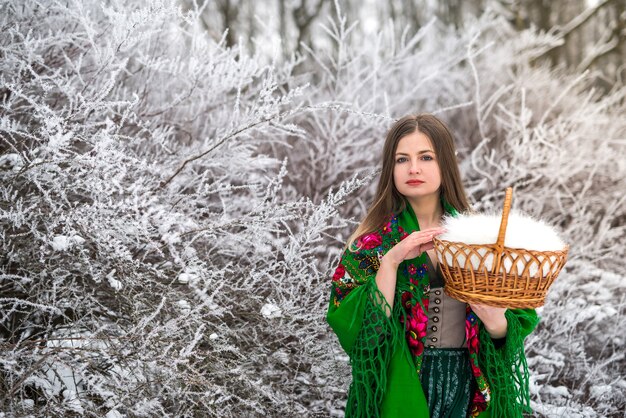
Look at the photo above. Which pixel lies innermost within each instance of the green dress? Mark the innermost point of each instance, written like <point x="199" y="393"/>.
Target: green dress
<point x="386" y="353"/>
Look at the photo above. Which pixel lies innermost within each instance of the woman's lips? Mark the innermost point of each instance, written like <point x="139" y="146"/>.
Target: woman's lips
<point x="414" y="182"/>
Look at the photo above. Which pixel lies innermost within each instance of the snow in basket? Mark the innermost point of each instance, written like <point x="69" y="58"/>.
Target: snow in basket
<point x="522" y="232"/>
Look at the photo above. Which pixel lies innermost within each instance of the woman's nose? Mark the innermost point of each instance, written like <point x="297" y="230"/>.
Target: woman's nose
<point x="414" y="168"/>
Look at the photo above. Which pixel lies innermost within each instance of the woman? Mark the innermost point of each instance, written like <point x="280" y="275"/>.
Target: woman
<point x="414" y="351"/>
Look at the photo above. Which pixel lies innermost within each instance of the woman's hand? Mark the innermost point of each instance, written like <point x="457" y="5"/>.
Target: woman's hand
<point x="412" y="246"/>
<point x="493" y="319"/>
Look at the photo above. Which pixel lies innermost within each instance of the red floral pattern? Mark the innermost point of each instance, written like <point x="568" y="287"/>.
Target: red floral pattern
<point x="416" y="325"/>
<point x="471" y="334"/>
<point x="369" y="241"/>
<point x="482" y="394"/>
<point x="339" y="272"/>
<point x="412" y="269"/>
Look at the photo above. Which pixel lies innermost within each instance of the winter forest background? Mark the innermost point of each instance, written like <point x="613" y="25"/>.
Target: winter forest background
<point x="174" y="195"/>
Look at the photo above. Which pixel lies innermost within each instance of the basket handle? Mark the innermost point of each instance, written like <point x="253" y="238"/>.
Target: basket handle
<point x="503" y="223"/>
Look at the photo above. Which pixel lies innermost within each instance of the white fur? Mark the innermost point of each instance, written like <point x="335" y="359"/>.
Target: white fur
<point x="522" y="232"/>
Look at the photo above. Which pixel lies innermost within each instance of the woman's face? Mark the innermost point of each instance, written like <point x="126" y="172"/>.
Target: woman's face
<point x="416" y="171"/>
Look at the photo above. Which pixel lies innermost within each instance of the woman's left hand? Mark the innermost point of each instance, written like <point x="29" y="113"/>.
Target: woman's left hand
<point x="492" y="318"/>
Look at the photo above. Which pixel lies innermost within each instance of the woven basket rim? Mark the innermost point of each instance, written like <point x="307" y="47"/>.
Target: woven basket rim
<point x="463" y="244"/>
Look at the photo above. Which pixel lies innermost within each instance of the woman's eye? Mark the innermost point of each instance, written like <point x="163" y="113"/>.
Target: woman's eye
<point x="401" y="160"/>
<point x="427" y="158"/>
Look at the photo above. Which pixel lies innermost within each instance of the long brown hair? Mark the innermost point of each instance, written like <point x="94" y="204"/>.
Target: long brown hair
<point x="387" y="199"/>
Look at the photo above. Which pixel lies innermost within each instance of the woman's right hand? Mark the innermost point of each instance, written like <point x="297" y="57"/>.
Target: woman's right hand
<point x="412" y="246"/>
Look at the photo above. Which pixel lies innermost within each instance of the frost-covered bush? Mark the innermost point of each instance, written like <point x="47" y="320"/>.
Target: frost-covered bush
<point x="138" y="218"/>
<point x="171" y="209"/>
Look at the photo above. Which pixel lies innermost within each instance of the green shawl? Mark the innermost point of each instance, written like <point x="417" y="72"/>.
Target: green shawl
<point x="386" y="352"/>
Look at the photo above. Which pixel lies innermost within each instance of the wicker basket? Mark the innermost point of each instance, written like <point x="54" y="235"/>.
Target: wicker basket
<point x="495" y="275"/>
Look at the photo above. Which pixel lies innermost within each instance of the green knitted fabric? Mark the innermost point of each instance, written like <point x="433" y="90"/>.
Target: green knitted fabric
<point x="386" y="352"/>
<point x="505" y="368"/>
<point x="371" y="354"/>
<point x="357" y="315"/>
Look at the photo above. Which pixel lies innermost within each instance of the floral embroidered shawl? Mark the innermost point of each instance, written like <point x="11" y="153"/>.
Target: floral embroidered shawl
<point x="386" y="352"/>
